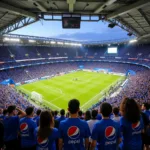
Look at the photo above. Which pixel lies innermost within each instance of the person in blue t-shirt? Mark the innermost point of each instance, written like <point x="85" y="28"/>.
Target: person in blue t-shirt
<point x="74" y="132"/>
<point x="131" y="125"/>
<point x="146" y="135"/>
<point x="27" y="127"/>
<point x="37" y="117"/>
<point x="45" y="135"/>
<point x="11" y="128"/>
<point x="1" y="135"/>
<point x="106" y="133"/>
<point x="62" y="117"/>
<point x="2" y="116"/>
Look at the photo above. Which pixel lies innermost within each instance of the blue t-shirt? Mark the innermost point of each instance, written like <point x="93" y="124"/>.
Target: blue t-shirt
<point x="11" y="128"/>
<point x="106" y="132"/>
<point x="2" y="117"/>
<point x="61" y="118"/>
<point x="37" y="120"/>
<point x="131" y="134"/>
<point x="27" y="127"/>
<point x="73" y="131"/>
<point x="147" y="113"/>
<point x="49" y="143"/>
<point x="99" y="117"/>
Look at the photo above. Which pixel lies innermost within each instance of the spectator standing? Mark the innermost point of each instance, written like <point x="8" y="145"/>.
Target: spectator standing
<point x="87" y="115"/>
<point x="131" y="125"/>
<point x="116" y="116"/>
<point x="1" y="135"/>
<point x="46" y="134"/>
<point x="11" y="128"/>
<point x="106" y="132"/>
<point x="37" y="117"/>
<point x="146" y="135"/>
<point x="62" y="117"/>
<point x="73" y="131"/>
<point x="27" y="127"/>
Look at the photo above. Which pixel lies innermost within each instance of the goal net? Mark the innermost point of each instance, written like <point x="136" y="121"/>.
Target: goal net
<point x="36" y="96"/>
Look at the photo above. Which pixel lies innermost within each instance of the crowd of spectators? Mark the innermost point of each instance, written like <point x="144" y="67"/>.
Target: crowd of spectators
<point x="125" y="127"/>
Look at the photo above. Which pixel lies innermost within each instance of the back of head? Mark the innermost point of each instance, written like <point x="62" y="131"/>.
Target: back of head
<point x="46" y="121"/>
<point x="55" y="112"/>
<point x="38" y="112"/>
<point x="130" y="110"/>
<point x="87" y="115"/>
<point x="62" y="112"/>
<point x="11" y="108"/>
<point x="5" y="112"/>
<point x="105" y="109"/>
<point x="145" y="106"/>
<point x="94" y="114"/>
<point x="80" y="113"/>
<point x="116" y="110"/>
<point x="73" y="106"/>
<point x="29" y="111"/>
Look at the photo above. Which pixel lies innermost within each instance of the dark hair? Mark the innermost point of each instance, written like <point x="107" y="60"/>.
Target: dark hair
<point x="5" y="111"/>
<point x="38" y="112"/>
<point x="146" y="105"/>
<point x="55" y="112"/>
<point x="62" y="112"/>
<point x="105" y="109"/>
<point x="29" y="110"/>
<point x="130" y="110"/>
<point x="116" y="110"/>
<point x="94" y="114"/>
<point x="11" y="108"/>
<point x="87" y="115"/>
<point x="73" y="106"/>
<point x="46" y="121"/>
<point x="80" y="113"/>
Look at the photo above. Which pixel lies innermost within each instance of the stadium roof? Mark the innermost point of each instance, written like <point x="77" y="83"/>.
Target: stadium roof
<point x="131" y="15"/>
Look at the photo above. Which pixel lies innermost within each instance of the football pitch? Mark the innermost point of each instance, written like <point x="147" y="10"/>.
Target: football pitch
<point x="88" y="87"/>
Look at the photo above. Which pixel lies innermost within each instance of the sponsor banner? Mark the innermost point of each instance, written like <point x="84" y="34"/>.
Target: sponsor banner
<point x="17" y="84"/>
<point x="30" y="81"/>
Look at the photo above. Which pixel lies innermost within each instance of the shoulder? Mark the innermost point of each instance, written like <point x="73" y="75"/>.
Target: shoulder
<point x="54" y="130"/>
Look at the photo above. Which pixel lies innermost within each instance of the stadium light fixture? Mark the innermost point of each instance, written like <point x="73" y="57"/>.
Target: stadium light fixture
<point x="67" y="43"/>
<point x="32" y="41"/>
<point x="53" y="42"/>
<point x="133" y="41"/>
<point x="11" y="39"/>
<point x="60" y="43"/>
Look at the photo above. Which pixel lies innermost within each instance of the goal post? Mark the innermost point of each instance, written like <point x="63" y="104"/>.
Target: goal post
<point x="36" y="96"/>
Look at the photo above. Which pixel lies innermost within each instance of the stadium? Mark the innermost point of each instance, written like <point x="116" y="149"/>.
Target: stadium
<point x="47" y="73"/>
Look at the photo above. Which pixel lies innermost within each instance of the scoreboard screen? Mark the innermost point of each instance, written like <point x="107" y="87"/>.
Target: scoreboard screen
<point x="112" y="50"/>
<point x="71" y="22"/>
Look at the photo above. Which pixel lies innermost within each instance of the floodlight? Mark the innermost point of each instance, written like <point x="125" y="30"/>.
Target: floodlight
<point x="32" y="41"/>
<point x="53" y="42"/>
<point x="133" y="41"/>
<point x="60" y="43"/>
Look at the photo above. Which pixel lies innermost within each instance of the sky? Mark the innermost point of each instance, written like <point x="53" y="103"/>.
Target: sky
<point x="89" y="31"/>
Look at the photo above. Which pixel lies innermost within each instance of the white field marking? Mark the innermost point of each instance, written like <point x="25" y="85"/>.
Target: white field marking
<point x="99" y="93"/>
<point x="57" y="98"/>
<point x="56" y="90"/>
<point x="52" y="104"/>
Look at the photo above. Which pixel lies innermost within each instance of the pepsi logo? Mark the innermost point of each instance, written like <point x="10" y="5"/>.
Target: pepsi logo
<point x="42" y="143"/>
<point x="73" y="132"/>
<point x="136" y="126"/>
<point x="24" y="127"/>
<point x="110" y="133"/>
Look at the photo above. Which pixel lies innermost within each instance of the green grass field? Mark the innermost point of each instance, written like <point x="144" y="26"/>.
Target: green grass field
<point x="57" y="91"/>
